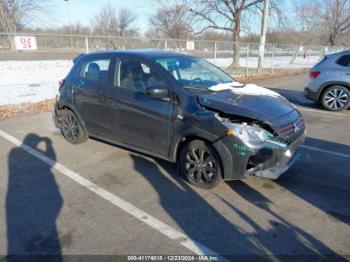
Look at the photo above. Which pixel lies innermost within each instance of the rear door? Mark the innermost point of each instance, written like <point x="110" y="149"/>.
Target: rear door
<point x="88" y="95"/>
<point x="140" y="121"/>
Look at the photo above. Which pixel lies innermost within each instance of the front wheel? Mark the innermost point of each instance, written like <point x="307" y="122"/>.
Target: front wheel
<point x="200" y="165"/>
<point x="336" y="98"/>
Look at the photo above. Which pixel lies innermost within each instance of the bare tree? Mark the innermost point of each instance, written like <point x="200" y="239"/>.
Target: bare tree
<point x="225" y="15"/>
<point x="336" y="16"/>
<point x="153" y="33"/>
<point x="328" y="19"/>
<point x="214" y="35"/>
<point x="105" y="21"/>
<point x="108" y="21"/>
<point x="172" y="21"/>
<point x="126" y="19"/>
<point x="14" y="12"/>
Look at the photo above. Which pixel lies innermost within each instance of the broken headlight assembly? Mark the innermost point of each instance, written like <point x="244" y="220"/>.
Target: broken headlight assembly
<point x="252" y="135"/>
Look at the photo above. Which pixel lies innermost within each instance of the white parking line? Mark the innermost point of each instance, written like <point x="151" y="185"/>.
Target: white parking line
<point x="141" y="215"/>
<point x="325" y="151"/>
<point x="323" y="112"/>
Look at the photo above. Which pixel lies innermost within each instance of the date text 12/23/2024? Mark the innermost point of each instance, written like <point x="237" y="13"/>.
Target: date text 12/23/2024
<point x="173" y="258"/>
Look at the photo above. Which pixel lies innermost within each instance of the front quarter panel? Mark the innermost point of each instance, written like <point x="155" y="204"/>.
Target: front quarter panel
<point x="190" y="120"/>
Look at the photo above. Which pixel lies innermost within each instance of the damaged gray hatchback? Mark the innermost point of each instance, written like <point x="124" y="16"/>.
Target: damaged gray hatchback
<point x="183" y="109"/>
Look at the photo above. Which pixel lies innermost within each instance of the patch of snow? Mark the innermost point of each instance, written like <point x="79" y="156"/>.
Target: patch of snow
<point x="34" y="81"/>
<point x="248" y="89"/>
<point x="31" y="81"/>
<point x="278" y="62"/>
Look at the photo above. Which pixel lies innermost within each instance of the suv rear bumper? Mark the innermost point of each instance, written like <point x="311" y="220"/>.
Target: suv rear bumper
<point x="310" y="94"/>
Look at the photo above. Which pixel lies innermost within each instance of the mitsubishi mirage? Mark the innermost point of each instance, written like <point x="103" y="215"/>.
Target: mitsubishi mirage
<point x="183" y="109"/>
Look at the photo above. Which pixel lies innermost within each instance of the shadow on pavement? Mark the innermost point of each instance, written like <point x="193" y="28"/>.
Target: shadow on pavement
<point x="203" y="223"/>
<point x="322" y="179"/>
<point x="297" y="98"/>
<point x="33" y="203"/>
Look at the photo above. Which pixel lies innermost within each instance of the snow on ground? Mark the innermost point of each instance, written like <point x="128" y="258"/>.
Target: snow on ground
<point x="280" y="62"/>
<point x="34" y="81"/>
<point x="31" y="81"/>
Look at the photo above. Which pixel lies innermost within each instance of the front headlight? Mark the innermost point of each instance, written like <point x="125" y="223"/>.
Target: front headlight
<point x="249" y="134"/>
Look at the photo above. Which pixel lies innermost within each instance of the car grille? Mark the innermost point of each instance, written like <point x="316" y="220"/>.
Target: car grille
<point x="290" y="127"/>
<point x="291" y="131"/>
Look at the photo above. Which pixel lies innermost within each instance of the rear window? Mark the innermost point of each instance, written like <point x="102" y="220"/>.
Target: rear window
<point x="344" y="61"/>
<point x="95" y="70"/>
<point x="321" y="61"/>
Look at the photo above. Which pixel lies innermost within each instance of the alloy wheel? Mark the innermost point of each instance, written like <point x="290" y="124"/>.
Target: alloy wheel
<point x="70" y="127"/>
<point x="336" y="98"/>
<point x="200" y="166"/>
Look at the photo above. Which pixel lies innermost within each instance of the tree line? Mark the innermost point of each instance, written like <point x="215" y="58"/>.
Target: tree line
<point x="325" y="22"/>
<point x="322" y="22"/>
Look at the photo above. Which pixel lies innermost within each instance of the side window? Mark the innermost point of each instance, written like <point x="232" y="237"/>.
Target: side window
<point x="136" y="76"/>
<point x="96" y="70"/>
<point x="344" y="61"/>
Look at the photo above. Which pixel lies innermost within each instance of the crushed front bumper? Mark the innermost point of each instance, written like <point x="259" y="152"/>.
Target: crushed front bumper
<point x="270" y="161"/>
<point x="283" y="159"/>
<point x="276" y="171"/>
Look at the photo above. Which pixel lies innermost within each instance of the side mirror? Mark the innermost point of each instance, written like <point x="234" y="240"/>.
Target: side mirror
<point x="157" y="92"/>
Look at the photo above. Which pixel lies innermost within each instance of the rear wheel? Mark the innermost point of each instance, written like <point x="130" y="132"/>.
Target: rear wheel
<point x="71" y="128"/>
<point x="336" y="98"/>
<point x="200" y="165"/>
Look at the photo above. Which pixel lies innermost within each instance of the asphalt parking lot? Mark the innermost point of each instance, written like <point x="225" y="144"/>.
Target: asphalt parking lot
<point x="97" y="199"/>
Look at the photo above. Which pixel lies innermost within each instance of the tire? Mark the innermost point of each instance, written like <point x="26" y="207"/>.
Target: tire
<point x="71" y="128"/>
<point x="200" y="165"/>
<point x="335" y="98"/>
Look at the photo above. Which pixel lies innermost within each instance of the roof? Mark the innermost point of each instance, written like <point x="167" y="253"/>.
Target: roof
<point x="145" y="53"/>
<point x="344" y="52"/>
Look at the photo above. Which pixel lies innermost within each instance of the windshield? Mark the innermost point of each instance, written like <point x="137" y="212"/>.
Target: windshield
<point x="193" y="72"/>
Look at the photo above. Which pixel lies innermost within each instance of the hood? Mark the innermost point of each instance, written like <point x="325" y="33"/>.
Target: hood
<point x="250" y="101"/>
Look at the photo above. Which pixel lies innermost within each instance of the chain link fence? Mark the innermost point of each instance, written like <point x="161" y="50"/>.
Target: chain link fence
<point x="276" y="56"/>
<point x="28" y="72"/>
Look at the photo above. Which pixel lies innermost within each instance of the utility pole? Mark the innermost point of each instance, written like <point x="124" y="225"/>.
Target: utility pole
<point x="264" y="22"/>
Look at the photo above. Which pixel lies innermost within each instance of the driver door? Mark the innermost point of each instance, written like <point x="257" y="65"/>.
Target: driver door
<point x="142" y="122"/>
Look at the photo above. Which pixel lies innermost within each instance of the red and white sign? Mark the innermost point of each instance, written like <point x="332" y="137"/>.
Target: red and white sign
<point x="25" y="43"/>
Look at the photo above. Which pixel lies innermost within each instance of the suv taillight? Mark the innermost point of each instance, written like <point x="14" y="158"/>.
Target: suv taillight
<point x="60" y="84"/>
<point x="314" y="74"/>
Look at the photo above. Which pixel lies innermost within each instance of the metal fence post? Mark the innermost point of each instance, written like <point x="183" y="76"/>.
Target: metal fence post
<point x="86" y="45"/>
<point x="292" y="62"/>
<point x="246" y="61"/>
<point x="272" y="57"/>
<point x="215" y="52"/>
<point x="165" y="44"/>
